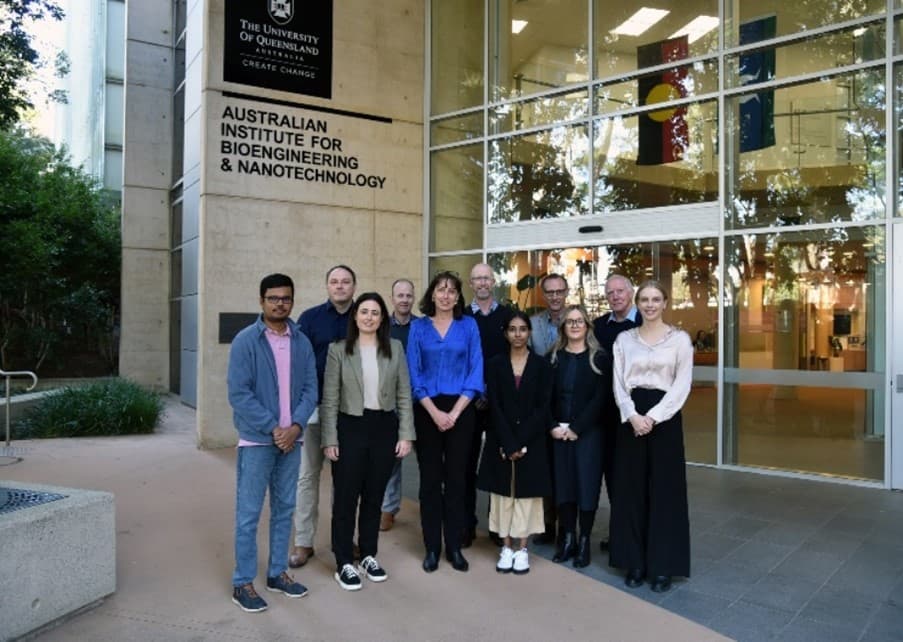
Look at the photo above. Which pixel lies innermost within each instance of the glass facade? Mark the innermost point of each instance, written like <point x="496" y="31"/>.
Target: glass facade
<point x="737" y="151"/>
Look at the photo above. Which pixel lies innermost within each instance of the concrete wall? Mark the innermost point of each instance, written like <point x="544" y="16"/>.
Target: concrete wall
<point x="144" y="347"/>
<point x="251" y="225"/>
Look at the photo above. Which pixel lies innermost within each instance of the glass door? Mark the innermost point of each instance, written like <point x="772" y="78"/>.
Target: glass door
<point x="896" y="413"/>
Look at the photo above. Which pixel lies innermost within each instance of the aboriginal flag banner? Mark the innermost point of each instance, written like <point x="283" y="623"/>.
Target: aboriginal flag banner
<point x="663" y="133"/>
<point x="757" y="110"/>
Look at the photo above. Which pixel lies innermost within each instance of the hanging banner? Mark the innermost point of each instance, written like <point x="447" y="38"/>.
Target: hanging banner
<point x="663" y="133"/>
<point x="279" y="44"/>
<point x="757" y="110"/>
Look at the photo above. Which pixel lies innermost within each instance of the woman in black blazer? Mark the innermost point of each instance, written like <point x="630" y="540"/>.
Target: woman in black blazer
<point x="581" y="377"/>
<point x="514" y="467"/>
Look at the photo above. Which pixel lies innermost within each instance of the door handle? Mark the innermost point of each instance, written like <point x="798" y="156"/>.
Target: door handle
<point x="900" y="383"/>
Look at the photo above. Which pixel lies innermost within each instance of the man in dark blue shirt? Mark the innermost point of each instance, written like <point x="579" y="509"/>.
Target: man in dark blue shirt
<point x="323" y="324"/>
<point x="399" y="328"/>
<point x="491" y="318"/>
<point x="623" y="316"/>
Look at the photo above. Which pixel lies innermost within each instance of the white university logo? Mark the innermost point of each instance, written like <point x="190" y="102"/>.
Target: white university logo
<point x="281" y="11"/>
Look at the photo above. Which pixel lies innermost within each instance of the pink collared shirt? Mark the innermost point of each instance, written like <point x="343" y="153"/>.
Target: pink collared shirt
<point x="281" y="345"/>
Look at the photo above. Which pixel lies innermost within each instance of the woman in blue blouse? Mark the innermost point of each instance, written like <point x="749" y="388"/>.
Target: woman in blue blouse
<point x="446" y="365"/>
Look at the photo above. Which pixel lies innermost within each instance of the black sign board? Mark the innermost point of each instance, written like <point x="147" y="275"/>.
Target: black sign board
<point x="231" y="323"/>
<point x="279" y="44"/>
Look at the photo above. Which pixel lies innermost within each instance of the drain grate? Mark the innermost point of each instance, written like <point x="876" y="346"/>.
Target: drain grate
<point x="12" y="499"/>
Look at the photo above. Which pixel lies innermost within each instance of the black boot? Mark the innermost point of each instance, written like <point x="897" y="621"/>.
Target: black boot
<point x="582" y="557"/>
<point x="566" y="548"/>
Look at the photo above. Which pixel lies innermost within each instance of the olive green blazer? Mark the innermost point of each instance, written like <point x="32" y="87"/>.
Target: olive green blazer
<point x="343" y="390"/>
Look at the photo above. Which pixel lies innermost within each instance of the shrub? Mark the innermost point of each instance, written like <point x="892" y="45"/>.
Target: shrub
<point x="114" y="407"/>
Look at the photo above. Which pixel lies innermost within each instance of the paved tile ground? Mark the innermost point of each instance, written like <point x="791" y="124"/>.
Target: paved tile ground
<point x="775" y="558"/>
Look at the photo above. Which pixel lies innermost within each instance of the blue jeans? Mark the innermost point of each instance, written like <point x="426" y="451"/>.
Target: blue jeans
<point x="259" y="468"/>
<point x="392" y="498"/>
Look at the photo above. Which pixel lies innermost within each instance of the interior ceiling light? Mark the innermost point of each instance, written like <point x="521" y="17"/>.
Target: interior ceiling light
<point x="640" y="21"/>
<point x="696" y="28"/>
<point x="518" y="25"/>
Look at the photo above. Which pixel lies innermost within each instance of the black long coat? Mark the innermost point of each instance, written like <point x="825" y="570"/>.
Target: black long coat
<point x="520" y="417"/>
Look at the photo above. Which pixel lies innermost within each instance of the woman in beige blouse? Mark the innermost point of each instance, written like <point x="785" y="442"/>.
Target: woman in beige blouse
<point x="653" y="370"/>
<point x="367" y="422"/>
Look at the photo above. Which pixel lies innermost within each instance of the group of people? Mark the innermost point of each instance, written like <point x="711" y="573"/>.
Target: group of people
<point x="535" y="410"/>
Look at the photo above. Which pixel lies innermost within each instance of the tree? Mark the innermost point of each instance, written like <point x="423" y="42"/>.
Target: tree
<point x="17" y="56"/>
<point x="59" y="255"/>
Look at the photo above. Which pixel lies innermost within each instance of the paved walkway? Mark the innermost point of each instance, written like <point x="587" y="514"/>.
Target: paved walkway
<point x="174" y="517"/>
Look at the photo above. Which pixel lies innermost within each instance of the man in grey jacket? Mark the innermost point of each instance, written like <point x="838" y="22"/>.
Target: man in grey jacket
<point x="272" y="382"/>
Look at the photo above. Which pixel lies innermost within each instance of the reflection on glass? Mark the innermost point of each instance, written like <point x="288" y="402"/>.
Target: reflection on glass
<point x="827" y="159"/>
<point x="618" y="43"/>
<point x="536" y="45"/>
<point x="540" y="175"/>
<point x="456" y="196"/>
<point x="821" y="430"/>
<point x="457" y="128"/>
<point x="621" y="183"/>
<point x="701" y="77"/>
<point x="700" y="417"/>
<point x="856" y="45"/>
<point x="898" y="113"/>
<point x="797" y="16"/>
<point x="688" y="271"/>
<point x="540" y="111"/>
<point x="805" y="300"/>
<point x="456" y="55"/>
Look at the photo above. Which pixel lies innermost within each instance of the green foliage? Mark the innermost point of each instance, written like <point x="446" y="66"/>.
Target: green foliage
<point x="17" y="56"/>
<point x="59" y="254"/>
<point x="114" y="407"/>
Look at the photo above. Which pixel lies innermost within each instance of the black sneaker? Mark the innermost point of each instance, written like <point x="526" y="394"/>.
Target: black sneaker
<point x="286" y="585"/>
<point x="371" y="569"/>
<point x="247" y="599"/>
<point x="348" y="578"/>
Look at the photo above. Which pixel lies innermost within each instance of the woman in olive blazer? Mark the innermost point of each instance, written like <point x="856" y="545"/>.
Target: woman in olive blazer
<point x="515" y="465"/>
<point x="367" y="422"/>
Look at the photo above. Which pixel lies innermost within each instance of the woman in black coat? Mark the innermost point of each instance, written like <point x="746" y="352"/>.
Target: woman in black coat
<point x="514" y="467"/>
<point x="581" y="378"/>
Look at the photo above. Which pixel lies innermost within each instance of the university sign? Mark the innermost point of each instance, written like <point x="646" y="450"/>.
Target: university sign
<point x="275" y="44"/>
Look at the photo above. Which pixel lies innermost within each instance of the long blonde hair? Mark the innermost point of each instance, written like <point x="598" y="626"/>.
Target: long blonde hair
<point x="591" y="344"/>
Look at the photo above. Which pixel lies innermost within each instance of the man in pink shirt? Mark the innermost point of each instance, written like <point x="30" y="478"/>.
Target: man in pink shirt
<point x="272" y="383"/>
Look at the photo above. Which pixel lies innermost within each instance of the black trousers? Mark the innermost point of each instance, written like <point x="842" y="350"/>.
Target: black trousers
<point x="481" y="425"/>
<point x="443" y="461"/>
<point x="650" y="525"/>
<point x="366" y="459"/>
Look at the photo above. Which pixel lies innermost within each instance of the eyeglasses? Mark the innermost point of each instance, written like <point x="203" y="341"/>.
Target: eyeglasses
<point x="481" y="278"/>
<point x="555" y="292"/>
<point x="279" y="299"/>
<point x="574" y="323"/>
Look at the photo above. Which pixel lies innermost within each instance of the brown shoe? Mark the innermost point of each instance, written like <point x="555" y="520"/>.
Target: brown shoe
<point x="386" y="521"/>
<point x="299" y="556"/>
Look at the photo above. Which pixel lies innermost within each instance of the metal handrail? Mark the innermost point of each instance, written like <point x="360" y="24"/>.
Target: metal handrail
<point x="8" y="376"/>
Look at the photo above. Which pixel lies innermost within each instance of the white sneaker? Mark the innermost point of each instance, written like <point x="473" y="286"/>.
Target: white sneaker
<point x="521" y="563"/>
<point x="506" y="559"/>
<point x="371" y="569"/>
<point x="348" y="578"/>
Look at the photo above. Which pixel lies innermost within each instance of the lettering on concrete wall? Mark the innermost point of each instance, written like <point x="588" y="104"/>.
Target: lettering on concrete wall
<point x="259" y="142"/>
<point x="279" y="44"/>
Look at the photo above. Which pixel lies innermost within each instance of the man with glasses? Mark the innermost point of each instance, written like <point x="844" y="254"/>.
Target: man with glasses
<point x="272" y="387"/>
<point x="623" y="316"/>
<point x="545" y="324"/>
<point x="542" y="339"/>
<point x="399" y="328"/>
<point x="323" y="324"/>
<point x="491" y="318"/>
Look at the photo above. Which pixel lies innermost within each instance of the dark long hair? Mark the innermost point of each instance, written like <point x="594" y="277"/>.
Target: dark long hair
<point x="382" y="332"/>
<point x="523" y="316"/>
<point x="428" y="306"/>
